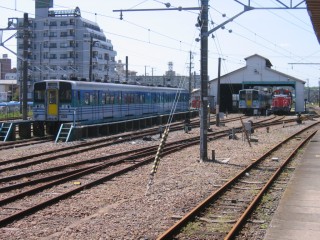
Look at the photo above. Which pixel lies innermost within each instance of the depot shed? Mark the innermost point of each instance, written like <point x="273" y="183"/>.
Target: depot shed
<point x="257" y="72"/>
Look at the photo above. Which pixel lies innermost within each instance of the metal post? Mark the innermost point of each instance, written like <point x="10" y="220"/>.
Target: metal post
<point x="127" y="71"/>
<point x="25" y="67"/>
<point x="40" y="62"/>
<point x="204" y="82"/>
<point x="308" y="91"/>
<point x="152" y="76"/>
<point x="190" y="79"/>
<point x="190" y="89"/>
<point x="90" y="59"/>
<point x="218" y="95"/>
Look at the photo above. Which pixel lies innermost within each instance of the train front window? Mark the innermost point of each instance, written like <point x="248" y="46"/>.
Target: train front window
<point x="39" y="92"/>
<point x="242" y="95"/>
<point x="52" y="97"/>
<point x="65" y="92"/>
<point x="39" y="96"/>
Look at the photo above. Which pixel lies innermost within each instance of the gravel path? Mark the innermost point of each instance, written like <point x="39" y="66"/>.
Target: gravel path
<point x="123" y="209"/>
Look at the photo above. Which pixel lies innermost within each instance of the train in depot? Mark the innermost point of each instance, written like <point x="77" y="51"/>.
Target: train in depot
<point x="60" y="101"/>
<point x="281" y="101"/>
<point x="254" y="101"/>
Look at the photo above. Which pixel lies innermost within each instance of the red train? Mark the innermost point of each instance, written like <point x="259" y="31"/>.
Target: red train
<point x="281" y="101"/>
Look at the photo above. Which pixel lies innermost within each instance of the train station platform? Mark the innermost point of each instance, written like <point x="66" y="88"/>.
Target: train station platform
<point x="298" y="214"/>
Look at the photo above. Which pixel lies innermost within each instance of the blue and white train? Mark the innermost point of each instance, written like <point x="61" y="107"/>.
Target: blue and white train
<point x="91" y="102"/>
<point x="253" y="101"/>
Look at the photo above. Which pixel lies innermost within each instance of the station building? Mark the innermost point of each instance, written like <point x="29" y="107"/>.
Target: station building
<point x="256" y="73"/>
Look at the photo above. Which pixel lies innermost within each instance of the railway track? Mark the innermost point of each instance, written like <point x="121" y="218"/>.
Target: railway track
<point x="41" y="158"/>
<point x="88" y="172"/>
<point x="25" y="142"/>
<point x="223" y="213"/>
<point x="152" y="131"/>
<point x="29" y="160"/>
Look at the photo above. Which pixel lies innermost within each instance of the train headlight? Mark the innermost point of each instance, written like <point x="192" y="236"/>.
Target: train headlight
<point x="41" y="106"/>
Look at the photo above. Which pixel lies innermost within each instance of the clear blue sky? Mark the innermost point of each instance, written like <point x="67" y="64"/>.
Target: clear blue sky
<point x="153" y="39"/>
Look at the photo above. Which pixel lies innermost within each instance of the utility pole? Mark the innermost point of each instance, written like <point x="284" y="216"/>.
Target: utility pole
<point x="127" y="70"/>
<point x="25" y="67"/>
<point x="308" y="91"/>
<point x="190" y="79"/>
<point x="204" y="82"/>
<point x="218" y="95"/>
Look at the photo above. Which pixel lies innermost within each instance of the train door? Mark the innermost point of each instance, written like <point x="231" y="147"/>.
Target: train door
<point x="52" y="104"/>
<point x="95" y="105"/>
<point x="249" y="99"/>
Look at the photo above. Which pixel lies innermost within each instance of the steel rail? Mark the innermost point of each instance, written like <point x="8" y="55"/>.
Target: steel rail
<point x="53" y="200"/>
<point x="169" y="234"/>
<point x="33" y="209"/>
<point x="237" y="226"/>
<point x="211" y="136"/>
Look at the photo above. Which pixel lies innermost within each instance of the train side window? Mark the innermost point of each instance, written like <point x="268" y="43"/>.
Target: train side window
<point x="93" y="98"/>
<point x="136" y="98"/>
<point x="111" y="101"/>
<point x="125" y="98"/>
<point x="118" y="98"/>
<point x="115" y="98"/>
<point x="87" y="98"/>
<point x="79" y="97"/>
<point x="65" y="95"/>
<point x="242" y="95"/>
<point x="132" y="98"/>
<point x="103" y="98"/>
<point x="161" y="98"/>
<point x="108" y="98"/>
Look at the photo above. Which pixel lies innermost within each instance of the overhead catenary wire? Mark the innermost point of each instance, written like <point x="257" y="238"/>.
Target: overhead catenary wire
<point x="291" y="56"/>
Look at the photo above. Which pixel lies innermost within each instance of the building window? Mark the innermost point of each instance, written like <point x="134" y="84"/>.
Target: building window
<point x="52" y="34"/>
<point x="53" y="45"/>
<point x="63" y="45"/>
<point x="63" y="34"/>
<point x="54" y="23"/>
<point x="72" y="43"/>
<point x="63" y="56"/>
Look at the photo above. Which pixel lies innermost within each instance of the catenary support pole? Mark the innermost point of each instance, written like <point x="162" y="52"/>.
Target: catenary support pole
<point x="204" y="82"/>
<point x="25" y="68"/>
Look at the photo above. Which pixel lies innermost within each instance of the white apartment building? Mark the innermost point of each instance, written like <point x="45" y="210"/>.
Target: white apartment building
<point x="63" y="45"/>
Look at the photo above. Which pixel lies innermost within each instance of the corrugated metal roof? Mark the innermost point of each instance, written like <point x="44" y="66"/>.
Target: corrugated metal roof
<point x="313" y="7"/>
